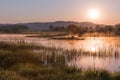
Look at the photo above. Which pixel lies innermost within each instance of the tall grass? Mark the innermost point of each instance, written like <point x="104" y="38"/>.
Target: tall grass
<point x="20" y="61"/>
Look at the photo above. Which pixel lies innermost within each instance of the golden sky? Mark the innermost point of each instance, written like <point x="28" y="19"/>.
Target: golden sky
<point x="22" y="11"/>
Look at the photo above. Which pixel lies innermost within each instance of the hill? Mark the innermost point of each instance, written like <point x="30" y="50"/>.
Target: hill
<point x="45" y="25"/>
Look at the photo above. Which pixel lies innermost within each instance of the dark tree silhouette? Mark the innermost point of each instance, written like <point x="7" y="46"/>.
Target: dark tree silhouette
<point x="117" y="29"/>
<point x="51" y="27"/>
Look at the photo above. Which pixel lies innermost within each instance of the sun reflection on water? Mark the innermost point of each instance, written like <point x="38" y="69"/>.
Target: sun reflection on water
<point x="93" y="44"/>
<point x="104" y="50"/>
<point x="93" y="49"/>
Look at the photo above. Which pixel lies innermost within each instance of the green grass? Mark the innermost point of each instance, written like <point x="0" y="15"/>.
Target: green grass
<point x="18" y="61"/>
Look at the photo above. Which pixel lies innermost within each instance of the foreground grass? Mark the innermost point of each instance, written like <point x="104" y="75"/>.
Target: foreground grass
<point x="20" y="62"/>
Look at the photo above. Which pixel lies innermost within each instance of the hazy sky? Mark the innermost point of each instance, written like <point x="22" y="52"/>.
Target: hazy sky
<point x="17" y="11"/>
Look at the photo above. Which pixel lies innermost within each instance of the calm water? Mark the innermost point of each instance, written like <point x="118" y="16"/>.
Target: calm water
<point x="106" y="45"/>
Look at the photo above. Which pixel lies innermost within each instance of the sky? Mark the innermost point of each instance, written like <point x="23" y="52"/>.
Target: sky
<point x="22" y="11"/>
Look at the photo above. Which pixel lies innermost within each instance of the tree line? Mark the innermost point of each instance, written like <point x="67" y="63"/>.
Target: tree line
<point x="13" y="28"/>
<point x="74" y="29"/>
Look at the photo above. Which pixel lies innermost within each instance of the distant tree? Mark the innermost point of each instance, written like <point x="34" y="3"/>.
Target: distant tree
<point x="99" y="29"/>
<point x="56" y="28"/>
<point x="85" y="29"/>
<point x="117" y="29"/>
<point x="18" y="28"/>
<point x="13" y="28"/>
<point x="62" y="28"/>
<point x="73" y="30"/>
<point x="51" y="27"/>
<point x="82" y="30"/>
<point x="108" y="29"/>
<point x="90" y="29"/>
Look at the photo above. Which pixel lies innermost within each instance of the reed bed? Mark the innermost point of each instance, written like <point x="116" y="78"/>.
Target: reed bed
<point x="22" y="61"/>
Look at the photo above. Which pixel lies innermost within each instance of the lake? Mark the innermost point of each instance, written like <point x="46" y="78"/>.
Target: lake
<point x="108" y="47"/>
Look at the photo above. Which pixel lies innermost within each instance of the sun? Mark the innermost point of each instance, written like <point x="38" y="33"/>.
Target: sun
<point x="93" y="13"/>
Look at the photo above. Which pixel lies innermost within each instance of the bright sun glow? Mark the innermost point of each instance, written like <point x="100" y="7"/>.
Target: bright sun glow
<point x="93" y="13"/>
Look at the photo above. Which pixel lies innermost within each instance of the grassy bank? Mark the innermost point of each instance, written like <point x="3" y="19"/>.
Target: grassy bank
<point x="20" y="61"/>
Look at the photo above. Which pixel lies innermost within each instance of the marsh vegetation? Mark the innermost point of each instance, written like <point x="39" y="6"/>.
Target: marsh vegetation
<point x="26" y="58"/>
